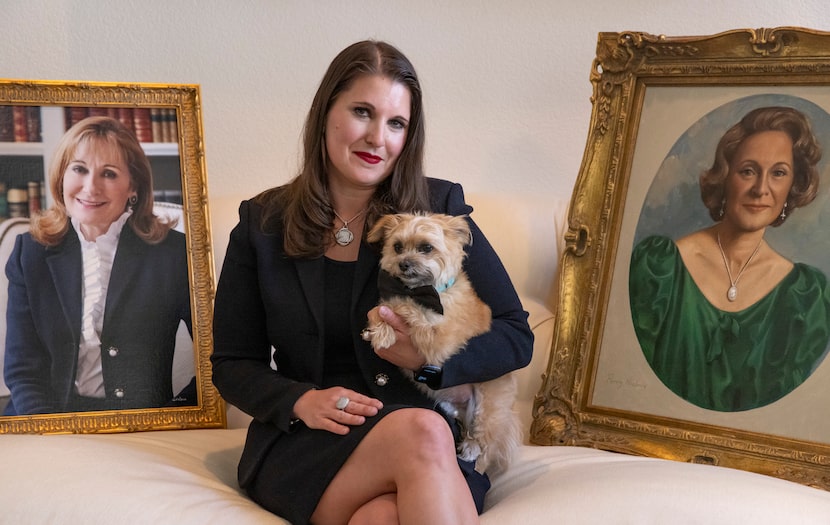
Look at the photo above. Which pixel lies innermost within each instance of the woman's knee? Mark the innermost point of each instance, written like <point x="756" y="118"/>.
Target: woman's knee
<point x="421" y="431"/>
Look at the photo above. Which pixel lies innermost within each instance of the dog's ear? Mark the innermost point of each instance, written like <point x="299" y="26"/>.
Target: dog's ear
<point x="381" y="227"/>
<point x="457" y="227"/>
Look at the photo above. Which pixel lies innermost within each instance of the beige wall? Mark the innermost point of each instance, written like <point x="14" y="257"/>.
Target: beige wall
<point x="506" y="82"/>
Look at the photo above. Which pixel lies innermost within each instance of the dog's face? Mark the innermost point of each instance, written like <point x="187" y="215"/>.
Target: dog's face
<point x="422" y="250"/>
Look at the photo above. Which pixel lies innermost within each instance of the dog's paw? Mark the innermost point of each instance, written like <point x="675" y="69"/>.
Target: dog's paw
<point x="381" y="336"/>
<point x="367" y="333"/>
<point x="469" y="450"/>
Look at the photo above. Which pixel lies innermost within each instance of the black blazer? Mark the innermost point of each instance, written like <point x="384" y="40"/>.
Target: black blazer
<point x="148" y="295"/>
<point x="265" y="299"/>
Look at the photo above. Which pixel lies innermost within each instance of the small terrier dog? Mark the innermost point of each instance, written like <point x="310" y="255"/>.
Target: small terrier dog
<point x="422" y="281"/>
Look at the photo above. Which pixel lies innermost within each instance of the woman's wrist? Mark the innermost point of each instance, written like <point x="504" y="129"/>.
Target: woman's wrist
<point x="430" y="375"/>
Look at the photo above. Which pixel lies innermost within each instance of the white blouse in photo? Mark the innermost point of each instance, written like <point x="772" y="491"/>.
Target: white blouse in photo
<point x="98" y="256"/>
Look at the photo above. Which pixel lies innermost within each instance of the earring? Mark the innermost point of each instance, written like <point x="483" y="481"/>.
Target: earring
<point x="722" y="209"/>
<point x="783" y="212"/>
<point x="132" y="200"/>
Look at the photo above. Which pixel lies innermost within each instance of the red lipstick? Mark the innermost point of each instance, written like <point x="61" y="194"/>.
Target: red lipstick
<point x="368" y="157"/>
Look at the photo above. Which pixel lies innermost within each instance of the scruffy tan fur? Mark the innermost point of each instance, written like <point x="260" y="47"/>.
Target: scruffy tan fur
<point x="428" y="249"/>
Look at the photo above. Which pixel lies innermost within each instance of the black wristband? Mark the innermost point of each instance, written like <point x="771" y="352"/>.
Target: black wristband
<point x="430" y="375"/>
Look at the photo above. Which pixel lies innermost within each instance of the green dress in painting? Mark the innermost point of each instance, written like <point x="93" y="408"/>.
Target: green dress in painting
<point x="726" y="361"/>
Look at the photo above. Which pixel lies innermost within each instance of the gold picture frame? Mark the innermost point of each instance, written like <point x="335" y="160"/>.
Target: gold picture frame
<point x="660" y="105"/>
<point x="175" y="140"/>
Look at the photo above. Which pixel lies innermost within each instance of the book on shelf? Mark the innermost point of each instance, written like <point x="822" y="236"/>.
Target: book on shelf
<point x="6" y="124"/>
<point x="35" y="191"/>
<point x="21" y="202"/>
<point x="171" y="126"/>
<point x="148" y="124"/>
<point x="19" y="120"/>
<point x="142" y="124"/>
<point x="33" y="124"/>
<point x="98" y="111"/>
<point x="18" y="202"/>
<point x="4" y="204"/>
<point x="20" y="124"/>
<point x="73" y="114"/>
<point x="125" y="115"/>
<point x="156" y="123"/>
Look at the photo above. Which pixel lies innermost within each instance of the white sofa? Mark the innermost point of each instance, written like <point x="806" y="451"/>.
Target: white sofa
<point x="189" y="476"/>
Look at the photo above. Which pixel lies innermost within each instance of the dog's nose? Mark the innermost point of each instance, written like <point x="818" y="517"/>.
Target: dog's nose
<point x="404" y="266"/>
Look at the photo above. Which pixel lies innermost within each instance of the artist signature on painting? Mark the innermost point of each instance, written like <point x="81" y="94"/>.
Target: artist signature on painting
<point x="627" y="382"/>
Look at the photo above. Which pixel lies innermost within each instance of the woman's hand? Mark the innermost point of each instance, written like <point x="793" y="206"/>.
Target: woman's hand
<point x="318" y="409"/>
<point x="402" y="353"/>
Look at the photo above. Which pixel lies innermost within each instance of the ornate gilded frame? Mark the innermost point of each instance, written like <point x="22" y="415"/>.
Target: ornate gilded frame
<point x="642" y="85"/>
<point x="185" y="101"/>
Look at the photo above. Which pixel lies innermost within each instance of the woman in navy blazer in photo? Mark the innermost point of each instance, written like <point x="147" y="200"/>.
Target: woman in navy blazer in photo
<point x="99" y="285"/>
<point x="339" y="433"/>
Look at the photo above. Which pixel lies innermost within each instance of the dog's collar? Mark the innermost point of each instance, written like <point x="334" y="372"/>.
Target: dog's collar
<point x="426" y="296"/>
<point x="440" y="289"/>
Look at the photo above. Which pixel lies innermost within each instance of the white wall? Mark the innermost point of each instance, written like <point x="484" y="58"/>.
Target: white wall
<point x="506" y="82"/>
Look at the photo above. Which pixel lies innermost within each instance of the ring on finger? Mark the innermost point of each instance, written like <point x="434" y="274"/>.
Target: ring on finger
<point x="342" y="403"/>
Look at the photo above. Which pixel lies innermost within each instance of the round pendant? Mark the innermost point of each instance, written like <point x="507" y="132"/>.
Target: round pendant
<point x="732" y="294"/>
<point x="344" y="236"/>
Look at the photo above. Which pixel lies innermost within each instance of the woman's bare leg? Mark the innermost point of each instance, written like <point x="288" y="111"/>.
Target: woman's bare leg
<point x="382" y="510"/>
<point x="408" y="457"/>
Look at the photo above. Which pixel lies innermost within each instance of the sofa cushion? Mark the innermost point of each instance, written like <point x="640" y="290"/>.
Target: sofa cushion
<point x="176" y="477"/>
<point x="187" y="477"/>
<point x="578" y="485"/>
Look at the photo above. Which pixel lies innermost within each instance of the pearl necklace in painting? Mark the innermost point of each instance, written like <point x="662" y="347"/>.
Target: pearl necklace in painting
<point x="732" y="293"/>
<point x="344" y="235"/>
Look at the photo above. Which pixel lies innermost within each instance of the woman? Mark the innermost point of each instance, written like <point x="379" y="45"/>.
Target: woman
<point x="99" y="285"/>
<point x="339" y="434"/>
<point x="725" y="321"/>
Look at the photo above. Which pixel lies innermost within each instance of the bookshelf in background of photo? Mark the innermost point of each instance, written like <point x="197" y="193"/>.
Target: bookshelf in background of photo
<point x="30" y="134"/>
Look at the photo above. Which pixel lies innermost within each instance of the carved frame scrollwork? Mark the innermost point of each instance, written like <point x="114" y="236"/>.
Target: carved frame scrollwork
<point x="626" y="67"/>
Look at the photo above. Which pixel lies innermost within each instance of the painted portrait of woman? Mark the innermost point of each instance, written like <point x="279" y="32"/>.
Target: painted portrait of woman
<point x="729" y="297"/>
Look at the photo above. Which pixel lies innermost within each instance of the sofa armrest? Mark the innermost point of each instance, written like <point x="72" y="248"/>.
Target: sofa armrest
<point x="529" y="378"/>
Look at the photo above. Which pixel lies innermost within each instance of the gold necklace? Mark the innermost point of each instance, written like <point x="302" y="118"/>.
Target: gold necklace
<point x="732" y="293"/>
<point x="344" y="235"/>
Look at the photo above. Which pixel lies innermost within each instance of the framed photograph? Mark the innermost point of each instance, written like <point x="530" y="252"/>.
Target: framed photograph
<point x="693" y="319"/>
<point x="105" y="240"/>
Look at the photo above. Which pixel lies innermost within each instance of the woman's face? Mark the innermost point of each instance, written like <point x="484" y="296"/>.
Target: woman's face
<point x="96" y="186"/>
<point x="366" y="131"/>
<point x="760" y="177"/>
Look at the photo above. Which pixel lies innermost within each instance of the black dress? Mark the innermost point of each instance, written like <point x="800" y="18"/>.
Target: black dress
<point x="301" y="464"/>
